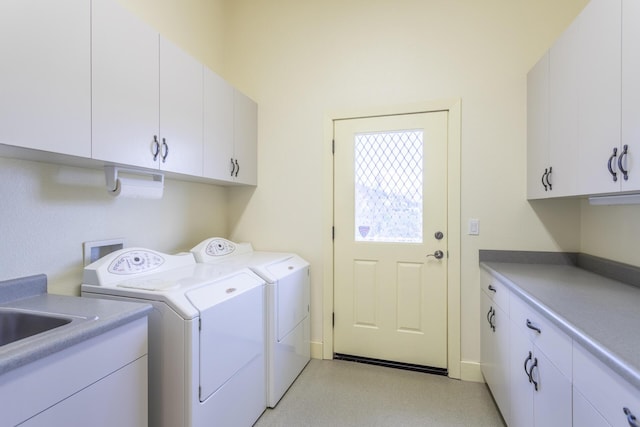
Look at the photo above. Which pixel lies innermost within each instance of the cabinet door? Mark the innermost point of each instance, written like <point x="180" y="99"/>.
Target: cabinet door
<point x="584" y="414"/>
<point x="631" y="93"/>
<point x="552" y="399"/>
<point x="606" y="391"/>
<point x="45" y="89"/>
<point x="245" y="127"/>
<point x="218" y="127"/>
<point x="520" y="388"/>
<point x="125" y="81"/>
<point x="538" y="130"/>
<point x="563" y="112"/>
<point x="120" y="399"/>
<point x="599" y="80"/>
<point x="180" y="110"/>
<point x="494" y="348"/>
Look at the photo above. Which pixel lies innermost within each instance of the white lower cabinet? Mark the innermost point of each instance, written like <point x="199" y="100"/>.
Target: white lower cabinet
<point x="540" y="393"/>
<point x="495" y="351"/>
<point x="584" y="414"/>
<point x="609" y="395"/>
<point x="100" y="382"/>
<point x="539" y="376"/>
<point x="90" y="408"/>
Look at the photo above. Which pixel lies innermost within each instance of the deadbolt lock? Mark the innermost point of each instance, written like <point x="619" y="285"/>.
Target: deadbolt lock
<point x="439" y="235"/>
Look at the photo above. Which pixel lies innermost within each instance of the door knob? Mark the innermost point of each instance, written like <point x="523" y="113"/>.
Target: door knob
<point x="437" y="255"/>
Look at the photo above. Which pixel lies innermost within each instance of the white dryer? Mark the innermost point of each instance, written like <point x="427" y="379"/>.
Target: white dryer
<point x="287" y="306"/>
<point x="206" y="334"/>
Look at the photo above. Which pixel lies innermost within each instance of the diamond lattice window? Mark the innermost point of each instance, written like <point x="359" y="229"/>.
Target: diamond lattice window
<point x="388" y="186"/>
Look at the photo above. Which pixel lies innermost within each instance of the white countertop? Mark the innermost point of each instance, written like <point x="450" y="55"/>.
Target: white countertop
<point x="601" y="314"/>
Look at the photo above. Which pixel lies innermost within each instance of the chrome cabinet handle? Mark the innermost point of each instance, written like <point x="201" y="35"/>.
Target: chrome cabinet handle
<point x="165" y="146"/>
<point x="233" y="167"/>
<point x="631" y="419"/>
<point x="623" y="156"/>
<point x="612" y="159"/>
<point x="156" y="147"/>
<point x="530" y="325"/>
<point x="492" y="289"/>
<point x="237" y="168"/>
<point x="544" y="175"/>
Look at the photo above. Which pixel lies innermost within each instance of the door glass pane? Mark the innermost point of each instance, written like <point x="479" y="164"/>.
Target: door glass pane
<point x="388" y="186"/>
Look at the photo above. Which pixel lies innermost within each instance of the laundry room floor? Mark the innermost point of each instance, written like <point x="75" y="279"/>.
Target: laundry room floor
<point x="349" y="394"/>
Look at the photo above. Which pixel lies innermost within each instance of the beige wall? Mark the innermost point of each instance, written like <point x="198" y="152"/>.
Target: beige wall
<point x="303" y="61"/>
<point x="611" y="232"/>
<point x="197" y="26"/>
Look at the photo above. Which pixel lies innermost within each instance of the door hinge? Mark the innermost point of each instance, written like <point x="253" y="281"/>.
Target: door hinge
<point x="333" y="320"/>
<point x="333" y="146"/>
<point x="333" y="233"/>
<point x="200" y="324"/>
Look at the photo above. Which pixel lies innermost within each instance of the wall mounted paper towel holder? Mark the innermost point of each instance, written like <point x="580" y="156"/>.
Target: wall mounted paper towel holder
<point x="147" y="184"/>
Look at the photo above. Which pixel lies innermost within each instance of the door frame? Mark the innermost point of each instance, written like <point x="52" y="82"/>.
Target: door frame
<point x="453" y="107"/>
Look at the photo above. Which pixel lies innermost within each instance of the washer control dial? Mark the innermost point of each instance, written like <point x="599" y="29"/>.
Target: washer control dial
<point x="134" y="262"/>
<point x="219" y="247"/>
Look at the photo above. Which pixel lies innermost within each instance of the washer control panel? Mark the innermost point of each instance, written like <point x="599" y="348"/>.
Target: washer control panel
<point x="135" y="261"/>
<point x="220" y="247"/>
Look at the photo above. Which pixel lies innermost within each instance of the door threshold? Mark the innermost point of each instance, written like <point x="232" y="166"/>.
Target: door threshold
<point x="391" y="364"/>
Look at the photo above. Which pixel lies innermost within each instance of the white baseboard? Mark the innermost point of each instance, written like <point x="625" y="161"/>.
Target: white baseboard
<point x="470" y="371"/>
<point x="316" y="350"/>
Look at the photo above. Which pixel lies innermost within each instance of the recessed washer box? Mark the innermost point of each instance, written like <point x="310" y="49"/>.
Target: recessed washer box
<point x="96" y="249"/>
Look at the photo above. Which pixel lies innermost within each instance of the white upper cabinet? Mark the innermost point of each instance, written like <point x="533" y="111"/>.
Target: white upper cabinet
<point x="538" y="163"/>
<point x="45" y="86"/>
<point x="563" y="112"/>
<point x="89" y="79"/>
<point x="125" y="94"/>
<point x="599" y="79"/>
<point x="218" y="127"/>
<point x="147" y="95"/>
<point x="245" y="139"/>
<point x="630" y="94"/>
<point x="593" y="103"/>
<point x="230" y="132"/>
<point x="180" y="111"/>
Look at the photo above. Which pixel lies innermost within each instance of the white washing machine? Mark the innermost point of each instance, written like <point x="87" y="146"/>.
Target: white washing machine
<point x="206" y="334"/>
<point x="287" y="306"/>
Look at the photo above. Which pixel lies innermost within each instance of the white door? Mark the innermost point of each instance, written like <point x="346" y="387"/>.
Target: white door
<point x="390" y="247"/>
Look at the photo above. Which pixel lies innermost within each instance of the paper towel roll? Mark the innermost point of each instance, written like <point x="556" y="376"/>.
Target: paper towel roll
<point x="138" y="188"/>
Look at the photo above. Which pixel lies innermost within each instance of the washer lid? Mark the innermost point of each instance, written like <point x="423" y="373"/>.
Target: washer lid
<point x="223" y="289"/>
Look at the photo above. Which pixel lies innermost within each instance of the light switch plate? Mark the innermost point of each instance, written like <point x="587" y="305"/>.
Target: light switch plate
<point x="474" y="227"/>
<point x="96" y="249"/>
